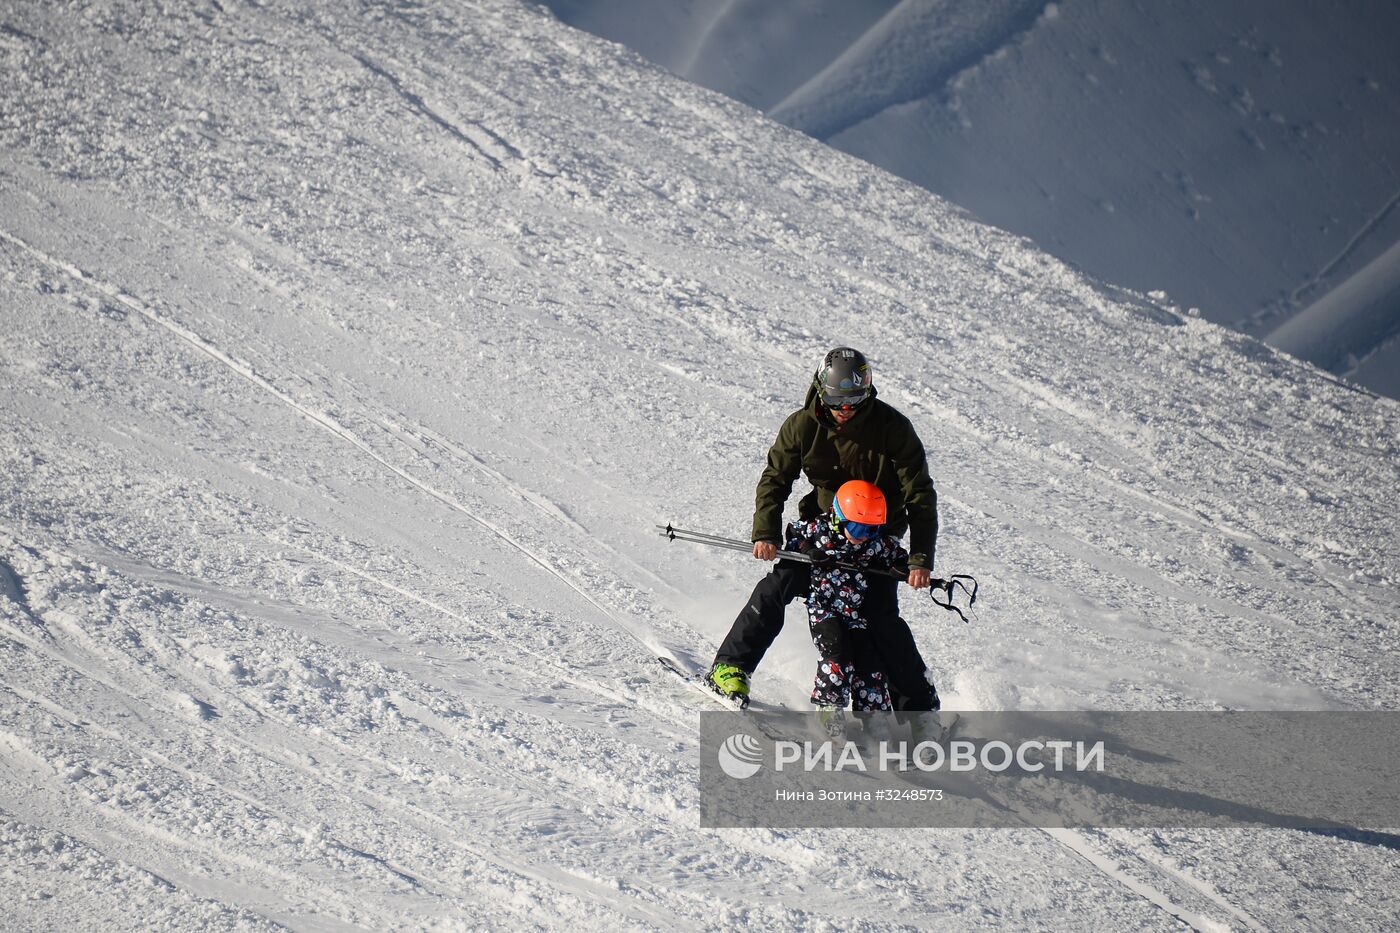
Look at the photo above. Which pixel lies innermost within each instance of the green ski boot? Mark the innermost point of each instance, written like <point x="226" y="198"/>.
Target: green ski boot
<point x="729" y="680"/>
<point x="833" y="720"/>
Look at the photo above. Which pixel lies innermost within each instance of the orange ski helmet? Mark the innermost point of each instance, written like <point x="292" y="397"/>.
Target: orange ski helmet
<point x="860" y="502"/>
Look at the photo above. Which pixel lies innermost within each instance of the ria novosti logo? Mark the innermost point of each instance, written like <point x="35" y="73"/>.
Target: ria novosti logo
<point x="740" y="756"/>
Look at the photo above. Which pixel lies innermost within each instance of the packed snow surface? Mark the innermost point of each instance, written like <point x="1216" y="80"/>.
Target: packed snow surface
<point x="349" y="353"/>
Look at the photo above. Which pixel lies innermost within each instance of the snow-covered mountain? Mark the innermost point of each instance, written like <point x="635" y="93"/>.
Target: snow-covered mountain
<point x="1242" y="157"/>
<point x="349" y="353"/>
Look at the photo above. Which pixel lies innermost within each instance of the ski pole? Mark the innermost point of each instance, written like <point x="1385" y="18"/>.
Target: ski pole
<point x="734" y="544"/>
<point x="937" y="584"/>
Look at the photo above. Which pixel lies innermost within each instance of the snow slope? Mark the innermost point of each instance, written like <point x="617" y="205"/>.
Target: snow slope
<point x="1242" y="157"/>
<point x="1364" y="311"/>
<point x="349" y="353"/>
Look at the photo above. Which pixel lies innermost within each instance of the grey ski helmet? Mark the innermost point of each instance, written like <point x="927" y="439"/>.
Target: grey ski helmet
<point x="845" y="379"/>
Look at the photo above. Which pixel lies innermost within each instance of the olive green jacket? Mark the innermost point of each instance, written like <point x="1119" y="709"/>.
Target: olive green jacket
<point x="878" y="445"/>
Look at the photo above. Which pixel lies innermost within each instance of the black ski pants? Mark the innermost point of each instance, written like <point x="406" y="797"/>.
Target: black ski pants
<point x="762" y="619"/>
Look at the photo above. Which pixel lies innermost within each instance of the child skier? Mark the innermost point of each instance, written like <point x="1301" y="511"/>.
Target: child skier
<point x="848" y="670"/>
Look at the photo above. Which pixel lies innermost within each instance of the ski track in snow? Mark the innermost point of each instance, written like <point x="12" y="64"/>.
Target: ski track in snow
<point x="337" y="420"/>
<point x="323" y="420"/>
<point x="1075" y="842"/>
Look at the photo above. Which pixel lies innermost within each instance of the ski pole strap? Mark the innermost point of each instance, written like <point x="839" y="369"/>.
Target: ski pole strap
<point x="957" y="581"/>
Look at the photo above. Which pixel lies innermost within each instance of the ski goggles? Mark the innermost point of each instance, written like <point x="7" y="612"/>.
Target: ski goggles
<point x="844" y="402"/>
<point x="858" y="530"/>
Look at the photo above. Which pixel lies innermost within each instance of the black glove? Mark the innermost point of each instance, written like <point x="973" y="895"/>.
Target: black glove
<point x="819" y="560"/>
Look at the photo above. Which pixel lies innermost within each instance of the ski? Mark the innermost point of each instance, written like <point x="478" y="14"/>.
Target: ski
<point x="697" y="682"/>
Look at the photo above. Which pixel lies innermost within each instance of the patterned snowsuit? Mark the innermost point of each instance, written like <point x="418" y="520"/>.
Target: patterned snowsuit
<point x="848" y="671"/>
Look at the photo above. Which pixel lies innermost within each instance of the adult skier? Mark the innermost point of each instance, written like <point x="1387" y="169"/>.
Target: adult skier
<point x="842" y="432"/>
